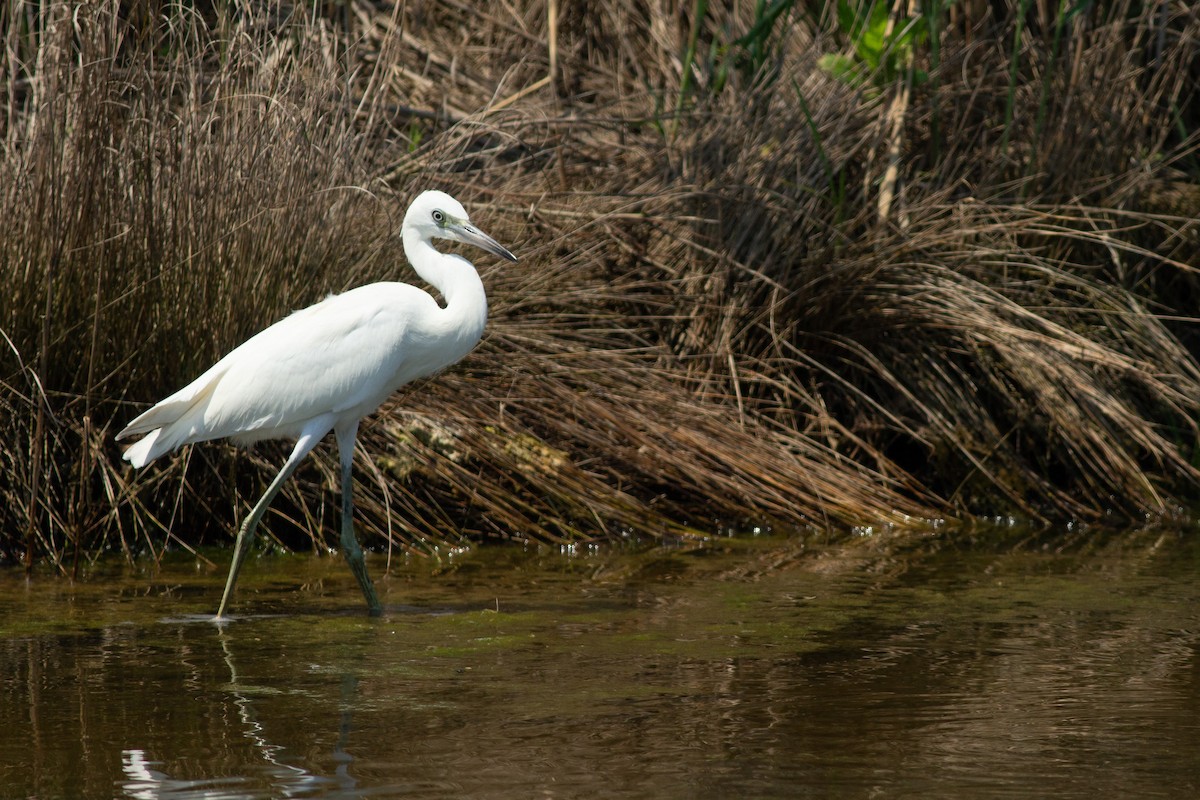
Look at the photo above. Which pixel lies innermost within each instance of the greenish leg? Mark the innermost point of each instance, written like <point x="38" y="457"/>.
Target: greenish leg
<point x="246" y="533"/>
<point x="350" y="547"/>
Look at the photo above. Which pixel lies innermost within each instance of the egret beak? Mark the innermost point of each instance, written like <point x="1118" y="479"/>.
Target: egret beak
<point x="466" y="232"/>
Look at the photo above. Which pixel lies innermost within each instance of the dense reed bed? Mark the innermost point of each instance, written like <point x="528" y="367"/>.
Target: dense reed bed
<point x="779" y="265"/>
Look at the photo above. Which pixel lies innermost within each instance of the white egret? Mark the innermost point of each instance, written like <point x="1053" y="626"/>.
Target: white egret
<point x="327" y="366"/>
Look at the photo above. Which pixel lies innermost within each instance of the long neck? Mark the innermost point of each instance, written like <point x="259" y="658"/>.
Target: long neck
<point x="456" y="281"/>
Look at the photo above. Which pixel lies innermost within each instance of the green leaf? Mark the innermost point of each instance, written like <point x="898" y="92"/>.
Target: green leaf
<point x="911" y="32"/>
<point x="847" y="18"/>
<point x="842" y="67"/>
<point x="871" y="41"/>
<point x="762" y="28"/>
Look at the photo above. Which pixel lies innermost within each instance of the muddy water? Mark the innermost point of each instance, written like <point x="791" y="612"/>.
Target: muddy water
<point x="753" y="669"/>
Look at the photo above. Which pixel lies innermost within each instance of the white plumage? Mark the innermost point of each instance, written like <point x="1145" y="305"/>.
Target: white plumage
<point x="325" y="367"/>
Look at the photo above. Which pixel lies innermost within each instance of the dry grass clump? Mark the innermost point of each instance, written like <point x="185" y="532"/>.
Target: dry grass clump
<point x="750" y="290"/>
<point x="165" y="192"/>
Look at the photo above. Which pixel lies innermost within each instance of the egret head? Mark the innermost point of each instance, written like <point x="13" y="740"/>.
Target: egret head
<point x="437" y="215"/>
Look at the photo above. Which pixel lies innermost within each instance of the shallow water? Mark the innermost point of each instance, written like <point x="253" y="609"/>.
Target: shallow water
<point x="747" y="669"/>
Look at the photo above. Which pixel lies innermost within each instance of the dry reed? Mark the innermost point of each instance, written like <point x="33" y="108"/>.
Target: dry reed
<point x="712" y="325"/>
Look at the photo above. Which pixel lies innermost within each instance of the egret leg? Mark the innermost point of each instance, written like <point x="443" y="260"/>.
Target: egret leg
<point x="307" y="442"/>
<point x="350" y="548"/>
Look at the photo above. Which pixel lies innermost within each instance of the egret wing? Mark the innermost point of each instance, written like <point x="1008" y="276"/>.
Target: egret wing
<point x="342" y="353"/>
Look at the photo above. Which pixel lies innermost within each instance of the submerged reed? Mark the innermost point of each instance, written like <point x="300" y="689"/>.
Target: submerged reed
<point x="716" y="321"/>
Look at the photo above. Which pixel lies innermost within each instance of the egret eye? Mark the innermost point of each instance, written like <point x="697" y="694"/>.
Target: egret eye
<point x="439" y="217"/>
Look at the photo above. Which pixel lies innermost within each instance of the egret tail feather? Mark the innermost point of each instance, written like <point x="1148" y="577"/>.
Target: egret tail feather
<point x="142" y="452"/>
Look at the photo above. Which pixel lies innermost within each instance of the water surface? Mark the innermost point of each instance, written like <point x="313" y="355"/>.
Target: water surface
<point x="765" y="668"/>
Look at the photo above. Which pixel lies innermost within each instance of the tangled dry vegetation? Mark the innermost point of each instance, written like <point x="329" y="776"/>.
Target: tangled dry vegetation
<point x="752" y="290"/>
